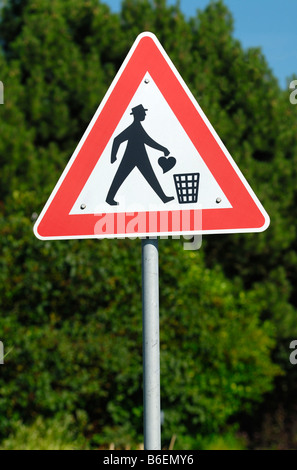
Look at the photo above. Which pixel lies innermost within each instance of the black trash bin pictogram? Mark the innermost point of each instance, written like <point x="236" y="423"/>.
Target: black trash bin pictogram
<point x="187" y="185"/>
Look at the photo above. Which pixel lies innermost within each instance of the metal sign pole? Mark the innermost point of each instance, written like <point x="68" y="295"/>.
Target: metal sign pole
<point x="151" y="344"/>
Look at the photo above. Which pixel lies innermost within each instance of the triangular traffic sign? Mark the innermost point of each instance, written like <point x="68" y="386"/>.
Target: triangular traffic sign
<point x="122" y="180"/>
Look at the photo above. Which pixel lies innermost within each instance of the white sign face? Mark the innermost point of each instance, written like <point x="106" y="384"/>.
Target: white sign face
<point x="135" y="193"/>
<point x="149" y="164"/>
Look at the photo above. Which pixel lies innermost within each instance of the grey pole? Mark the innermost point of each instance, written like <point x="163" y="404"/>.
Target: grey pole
<point x="151" y="344"/>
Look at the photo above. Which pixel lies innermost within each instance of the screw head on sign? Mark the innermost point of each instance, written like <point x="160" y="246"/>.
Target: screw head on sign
<point x="146" y="80"/>
<point x="218" y="200"/>
<point x="83" y="206"/>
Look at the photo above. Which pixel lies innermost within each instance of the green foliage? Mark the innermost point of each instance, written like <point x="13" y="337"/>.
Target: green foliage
<point x="84" y="351"/>
<point x="49" y="434"/>
<point x="227" y="441"/>
<point x="71" y="310"/>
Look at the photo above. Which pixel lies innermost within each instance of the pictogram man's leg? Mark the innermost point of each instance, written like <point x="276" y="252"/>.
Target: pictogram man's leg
<point x="146" y="169"/>
<point x="123" y="171"/>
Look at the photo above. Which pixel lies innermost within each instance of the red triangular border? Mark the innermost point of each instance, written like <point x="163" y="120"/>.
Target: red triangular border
<point x="147" y="55"/>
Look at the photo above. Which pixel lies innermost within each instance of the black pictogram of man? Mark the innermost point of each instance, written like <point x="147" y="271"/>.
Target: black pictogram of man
<point x="135" y="156"/>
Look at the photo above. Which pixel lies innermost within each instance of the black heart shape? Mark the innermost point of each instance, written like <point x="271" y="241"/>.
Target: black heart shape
<point x="166" y="163"/>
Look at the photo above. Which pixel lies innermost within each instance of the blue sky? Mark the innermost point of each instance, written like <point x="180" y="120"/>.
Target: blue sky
<point x="269" y="24"/>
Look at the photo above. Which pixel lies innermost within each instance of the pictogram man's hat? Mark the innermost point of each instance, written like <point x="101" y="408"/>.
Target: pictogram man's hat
<point x="138" y="108"/>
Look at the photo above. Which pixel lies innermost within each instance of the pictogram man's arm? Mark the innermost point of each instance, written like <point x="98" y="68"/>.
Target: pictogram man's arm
<point x="118" y="140"/>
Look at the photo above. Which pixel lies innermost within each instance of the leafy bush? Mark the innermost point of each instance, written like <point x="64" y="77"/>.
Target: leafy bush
<point x="45" y="434"/>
